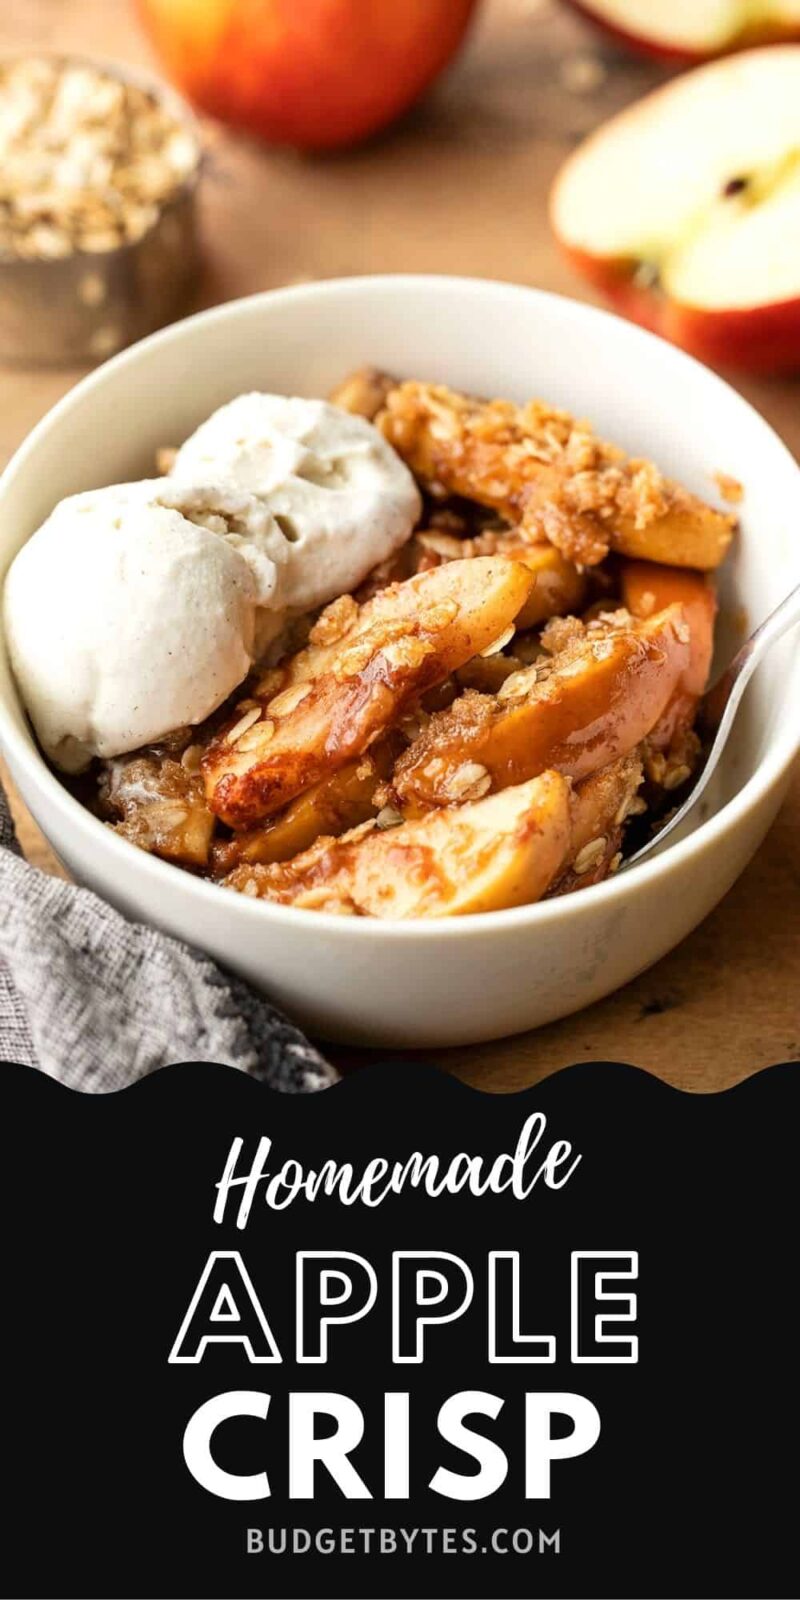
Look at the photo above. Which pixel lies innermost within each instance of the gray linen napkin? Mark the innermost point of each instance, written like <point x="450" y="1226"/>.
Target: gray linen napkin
<point x="97" y="1001"/>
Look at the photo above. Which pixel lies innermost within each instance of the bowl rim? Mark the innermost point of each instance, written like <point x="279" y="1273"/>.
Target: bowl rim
<point x="171" y="879"/>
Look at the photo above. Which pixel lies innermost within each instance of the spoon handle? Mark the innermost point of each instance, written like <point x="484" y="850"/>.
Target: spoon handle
<point x="744" y="663"/>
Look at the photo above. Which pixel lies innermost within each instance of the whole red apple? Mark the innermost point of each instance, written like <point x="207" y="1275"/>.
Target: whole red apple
<point x="693" y="30"/>
<point x="685" y="210"/>
<point x="309" y="73"/>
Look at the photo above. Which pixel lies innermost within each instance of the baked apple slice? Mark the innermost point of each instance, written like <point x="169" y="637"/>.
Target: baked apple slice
<point x="363" y="393"/>
<point x="593" y="702"/>
<point x="553" y="477"/>
<point x="390" y="610"/>
<point x="501" y="852"/>
<point x="648" y="588"/>
<point x="559" y="586"/>
<point x="345" y="694"/>
<point x="342" y="801"/>
<point x="599" y="810"/>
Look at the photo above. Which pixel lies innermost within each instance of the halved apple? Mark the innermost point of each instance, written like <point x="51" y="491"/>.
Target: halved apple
<point x="685" y="210"/>
<point x="693" y="30"/>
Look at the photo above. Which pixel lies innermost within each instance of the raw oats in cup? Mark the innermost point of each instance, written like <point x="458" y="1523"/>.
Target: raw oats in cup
<point x="98" y="179"/>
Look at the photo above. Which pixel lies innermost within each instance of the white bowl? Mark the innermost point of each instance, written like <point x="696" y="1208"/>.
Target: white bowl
<point x="474" y="978"/>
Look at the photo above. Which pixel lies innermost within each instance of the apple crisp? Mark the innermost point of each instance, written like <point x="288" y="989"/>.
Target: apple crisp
<point x="494" y="715"/>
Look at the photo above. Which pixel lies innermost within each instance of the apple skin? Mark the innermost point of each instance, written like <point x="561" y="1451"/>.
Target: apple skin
<point x="672" y="55"/>
<point x="312" y="74"/>
<point x="758" y="339"/>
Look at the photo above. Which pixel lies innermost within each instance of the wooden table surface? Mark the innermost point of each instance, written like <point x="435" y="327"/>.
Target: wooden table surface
<point x="460" y="187"/>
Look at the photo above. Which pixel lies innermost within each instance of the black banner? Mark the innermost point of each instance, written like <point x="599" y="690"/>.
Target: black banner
<point x="400" y="1338"/>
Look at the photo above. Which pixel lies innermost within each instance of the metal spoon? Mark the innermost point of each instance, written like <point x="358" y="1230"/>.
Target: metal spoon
<point x="719" y="707"/>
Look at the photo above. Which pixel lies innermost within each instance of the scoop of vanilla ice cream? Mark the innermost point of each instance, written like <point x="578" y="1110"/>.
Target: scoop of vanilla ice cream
<point x="127" y="617"/>
<point x="241" y="518"/>
<point x="340" y="494"/>
<point x="249" y="527"/>
<point x="138" y="608"/>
